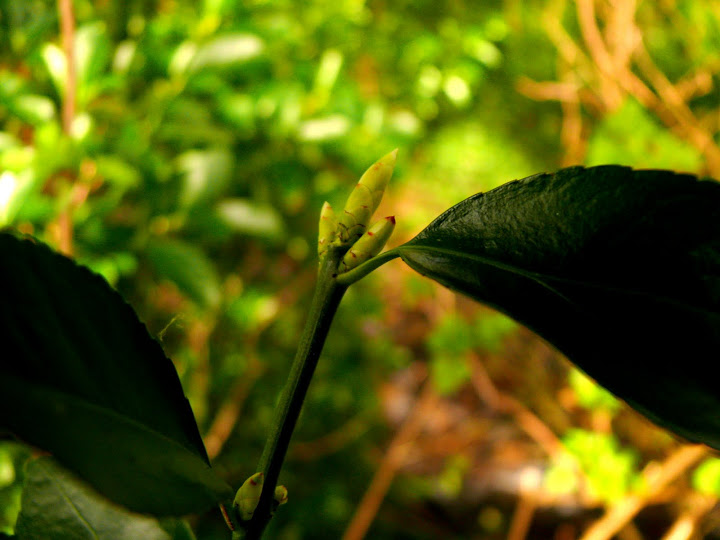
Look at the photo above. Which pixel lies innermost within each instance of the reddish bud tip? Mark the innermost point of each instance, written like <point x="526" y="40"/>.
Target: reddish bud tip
<point x="254" y="481"/>
<point x="391" y="219"/>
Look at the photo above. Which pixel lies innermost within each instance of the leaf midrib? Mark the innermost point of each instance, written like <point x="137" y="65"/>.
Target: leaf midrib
<point x="540" y="277"/>
<point x="68" y="499"/>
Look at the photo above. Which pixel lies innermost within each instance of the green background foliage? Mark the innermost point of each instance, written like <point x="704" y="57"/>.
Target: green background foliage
<point x="186" y="161"/>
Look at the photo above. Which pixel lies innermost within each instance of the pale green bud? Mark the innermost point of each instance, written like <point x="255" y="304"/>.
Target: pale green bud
<point x="327" y="228"/>
<point x="281" y="495"/>
<point x="248" y="496"/>
<point x="377" y="177"/>
<point x="365" y="198"/>
<point x="369" y="244"/>
<point x="356" y="215"/>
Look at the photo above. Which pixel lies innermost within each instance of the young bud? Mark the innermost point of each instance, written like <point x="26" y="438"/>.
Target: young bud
<point x="281" y="495"/>
<point x="369" y="245"/>
<point x="365" y="198"/>
<point x="327" y="228"/>
<point x="377" y="177"/>
<point x="356" y="215"/>
<point x="248" y="496"/>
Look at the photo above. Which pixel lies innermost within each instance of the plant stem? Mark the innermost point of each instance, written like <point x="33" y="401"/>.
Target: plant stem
<point x="328" y="294"/>
<point x="356" y="274"/>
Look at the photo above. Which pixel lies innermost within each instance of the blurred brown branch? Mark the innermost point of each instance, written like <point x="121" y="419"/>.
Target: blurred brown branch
<point x="613" y="63"/>
<point x="394" y="458"/>
<point x="67" y="36"/>
<point x="62" y="228"/>
<point x="657" y="478"/>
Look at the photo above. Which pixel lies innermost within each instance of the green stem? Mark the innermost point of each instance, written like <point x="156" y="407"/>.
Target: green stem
<point x="326" y="300"/>
<point x="359" y="272"/>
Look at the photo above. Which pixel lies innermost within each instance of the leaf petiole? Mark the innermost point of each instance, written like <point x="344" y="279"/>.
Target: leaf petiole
<point x="359" y="272"/>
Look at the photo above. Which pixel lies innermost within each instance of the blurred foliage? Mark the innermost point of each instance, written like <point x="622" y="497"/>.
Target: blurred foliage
<point x="706" y="478"/>
<point x="610" y="471"/>
<point x="187" y="155"/>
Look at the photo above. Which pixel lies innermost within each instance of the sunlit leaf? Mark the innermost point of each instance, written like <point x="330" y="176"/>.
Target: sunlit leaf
<point x="205" y="174"/>
<point x="56" y="65"/>
<point x="227" y="50"/>
<point x="252" y="219"/>
<point x="33" y="109"/>
<point x="706" y="478"/>
<point x="92" y="57"/>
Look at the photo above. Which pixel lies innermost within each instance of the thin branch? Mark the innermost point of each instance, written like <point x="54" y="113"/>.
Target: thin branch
<point x="526" y="506"/>
<point x="598" y="50"/>
<point x="687" y="524"/>
<point x="676" y="104"/>
<point x="535" y="428"/>
<point x="656" y="480"/>
<point x="228" y="414"/>
<point x="67" y="36"/>
<point x="326" y="299"/>
<point x="392" y="461"/>
<point x="351" y="430"/>
<point x="548" y="91"/>
<point x="62" y="228"/>
<point x="572" y="127"/>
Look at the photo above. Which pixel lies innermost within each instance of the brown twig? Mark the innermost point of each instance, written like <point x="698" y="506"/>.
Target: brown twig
<point x="656" y="480"/>
<point x="62" y="228"/>
<point x="332" y="442"/>
<point x="526" y="506"/>
<point x="608" y="72"/>
<point x="198" y="337"/>
<point x="228" y="414"/>
<point x="599" y="53"/>
<point x="67" y="35"/>
<point x="571" y="133"/>
<point x="392" y="461"/>
<point x="535" y="428"/>
<point x="687" y="524"/>
<point x="677" y="106"/>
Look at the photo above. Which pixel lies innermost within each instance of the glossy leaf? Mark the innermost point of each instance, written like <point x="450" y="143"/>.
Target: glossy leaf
<point x="618" y="269"/>
<point x="81" y="377"/>
<point x="58" y="506"/>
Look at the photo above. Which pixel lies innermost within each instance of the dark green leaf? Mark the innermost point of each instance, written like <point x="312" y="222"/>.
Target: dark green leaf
<point x="81" y="377"/>
<point x="58" y="506"/>
<point x="619" y="269"/>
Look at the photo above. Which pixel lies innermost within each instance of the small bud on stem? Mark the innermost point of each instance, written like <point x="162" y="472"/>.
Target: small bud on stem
<point x="369" y="244"/>
<point x="365" y="199"/>
<point x="248" y="496"/>
<point x="281" y="495"/>
<point x="327" y="229"/>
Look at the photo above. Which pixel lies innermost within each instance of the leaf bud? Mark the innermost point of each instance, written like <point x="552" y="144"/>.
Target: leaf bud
<point x="327" y="228"/>
<point x="248" y="496"/>
<point x="365" y="198"/>
<point x="369" y="245"/>
<point x="281" y="495"/>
